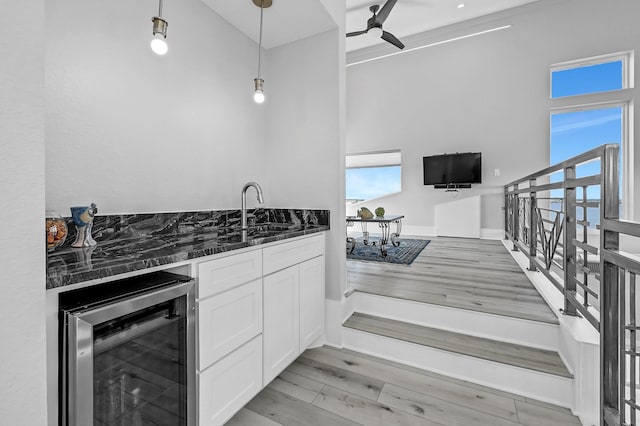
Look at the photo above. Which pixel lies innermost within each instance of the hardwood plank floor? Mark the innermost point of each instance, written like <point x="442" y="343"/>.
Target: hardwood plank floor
<point x="328" y="386"/>
<point x="492" y="350"/>
<point x="472" y="274"/>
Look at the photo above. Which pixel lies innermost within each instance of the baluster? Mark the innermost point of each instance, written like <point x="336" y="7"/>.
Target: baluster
<point x="515" y="207"/>
<point x="611" y="341"/>
<point x="533" y="241"/>
<point x="585" y="253"/>
<point x="569" y="258"/>
<point x="506" y="213"/>
<point x="633" y="347"/>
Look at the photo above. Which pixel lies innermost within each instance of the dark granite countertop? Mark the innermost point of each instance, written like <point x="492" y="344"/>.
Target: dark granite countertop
<point x="129" y="249"/>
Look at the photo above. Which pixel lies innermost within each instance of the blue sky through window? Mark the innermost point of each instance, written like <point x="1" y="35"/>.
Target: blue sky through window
<point x="372" y="182"/>
<point x="587" y="79"/>
<point x="575" y="132"/>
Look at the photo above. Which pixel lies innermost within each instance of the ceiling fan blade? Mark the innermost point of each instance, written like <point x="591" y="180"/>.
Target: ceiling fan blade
<point x="356" y="33"/>
<point x="392" y="39"/>
<point x="384" y="12"/>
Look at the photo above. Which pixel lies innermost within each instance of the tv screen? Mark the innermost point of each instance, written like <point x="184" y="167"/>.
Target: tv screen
<point x="465" y="168"/>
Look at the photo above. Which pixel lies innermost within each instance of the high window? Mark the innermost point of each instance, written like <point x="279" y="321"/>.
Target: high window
<point x="588" y="112"/>
<point x="372" y="175"/>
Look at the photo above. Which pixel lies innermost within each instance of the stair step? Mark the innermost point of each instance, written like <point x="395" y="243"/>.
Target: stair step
<point x="534" y="334"/>
<point x="506" y="353"/>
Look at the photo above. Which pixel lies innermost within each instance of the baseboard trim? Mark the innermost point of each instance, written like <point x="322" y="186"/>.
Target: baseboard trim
<point x="336" y="313"/>
<point x="491" y="234"/>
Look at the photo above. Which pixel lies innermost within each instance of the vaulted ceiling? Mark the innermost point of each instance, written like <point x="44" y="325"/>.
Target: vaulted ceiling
<point x="290" y="20"/>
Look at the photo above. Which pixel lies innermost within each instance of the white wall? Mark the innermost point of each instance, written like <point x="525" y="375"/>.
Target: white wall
<point x="136" y="132"/>
<point x="304" y="141"/>
<point x="488" y="93"/>
<point x="22" y="260"/>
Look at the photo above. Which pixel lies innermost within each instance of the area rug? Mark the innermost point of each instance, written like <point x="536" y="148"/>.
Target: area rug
<point x="404" y="254"/>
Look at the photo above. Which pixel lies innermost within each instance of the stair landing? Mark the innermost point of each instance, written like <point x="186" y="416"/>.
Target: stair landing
<point x="470" y="274"/>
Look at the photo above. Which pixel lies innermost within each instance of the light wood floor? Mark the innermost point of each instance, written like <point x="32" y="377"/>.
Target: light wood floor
<point x="327" y="386"/>
<point x="501" y="352"/>
<point x="472" y="274"/>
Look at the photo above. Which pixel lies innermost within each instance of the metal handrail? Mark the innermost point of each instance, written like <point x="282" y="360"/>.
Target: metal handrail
<point x="549" y="236"/>
<point x="615" y="280"/>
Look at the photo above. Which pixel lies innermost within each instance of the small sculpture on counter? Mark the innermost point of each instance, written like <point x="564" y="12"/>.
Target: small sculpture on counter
<point x="365" y="213"/>
<point x="379" y="212"/>
<point x="83" y="219"/>
<point x="56" y="230"/>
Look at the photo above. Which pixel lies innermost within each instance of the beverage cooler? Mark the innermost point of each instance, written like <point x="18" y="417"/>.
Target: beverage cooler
<point x="128" y="352"/>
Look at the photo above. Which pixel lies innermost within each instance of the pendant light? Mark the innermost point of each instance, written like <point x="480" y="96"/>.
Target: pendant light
<point x="158" y="43"/>
<point x="258" y="94"/>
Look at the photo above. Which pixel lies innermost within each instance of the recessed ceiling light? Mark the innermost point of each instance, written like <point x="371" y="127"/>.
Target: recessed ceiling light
<point x="461" y="5"/>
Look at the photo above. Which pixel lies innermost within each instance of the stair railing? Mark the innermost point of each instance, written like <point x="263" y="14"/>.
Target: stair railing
<point x="545" y="228"/>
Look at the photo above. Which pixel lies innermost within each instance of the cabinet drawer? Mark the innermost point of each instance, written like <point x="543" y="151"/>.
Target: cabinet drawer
<point x="229" y="384"/>
<point x="228" y="320"/>
<point x="216" y="276"/>
<point x="284" y="255"/>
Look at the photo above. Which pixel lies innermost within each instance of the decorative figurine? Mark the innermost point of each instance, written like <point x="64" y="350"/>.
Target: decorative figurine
<point x="83" y="219"/>
<point x="365" y="213"/>
<point x="56" y="230"/>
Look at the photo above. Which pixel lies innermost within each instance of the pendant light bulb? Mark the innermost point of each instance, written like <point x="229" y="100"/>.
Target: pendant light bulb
<point x="258" y="94"/>
<point x="159" y="43"/>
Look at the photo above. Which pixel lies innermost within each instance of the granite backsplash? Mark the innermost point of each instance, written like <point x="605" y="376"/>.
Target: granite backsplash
<point x="133" y="242"/>
<point x="221" y="222"/>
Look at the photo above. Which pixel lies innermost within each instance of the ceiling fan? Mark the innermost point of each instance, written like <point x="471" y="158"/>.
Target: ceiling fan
<point x="374" y="24"/>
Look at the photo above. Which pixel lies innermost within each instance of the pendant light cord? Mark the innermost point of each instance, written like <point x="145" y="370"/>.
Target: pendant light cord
<point x="260" y="42"/>
<point x="160" y="9"/>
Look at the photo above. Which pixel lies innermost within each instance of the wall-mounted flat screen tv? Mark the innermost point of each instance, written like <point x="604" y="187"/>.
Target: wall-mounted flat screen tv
<point x="453" y="169"/>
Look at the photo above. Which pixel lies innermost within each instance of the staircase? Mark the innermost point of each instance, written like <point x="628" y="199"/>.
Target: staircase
<point x="515" y="355"/>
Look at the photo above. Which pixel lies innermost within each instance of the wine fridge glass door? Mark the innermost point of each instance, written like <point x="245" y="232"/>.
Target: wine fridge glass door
<point x="131" y="362"/>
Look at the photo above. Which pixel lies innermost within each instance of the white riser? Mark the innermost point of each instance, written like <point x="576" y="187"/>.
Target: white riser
<point x="541" y="386"/>
<point x="513" y="330"/>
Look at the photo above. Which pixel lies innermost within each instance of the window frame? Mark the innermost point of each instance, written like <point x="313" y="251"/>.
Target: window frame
<point x="387" y="158"/>
<point x="626" y="57"/>
<point x="620" y="98"/>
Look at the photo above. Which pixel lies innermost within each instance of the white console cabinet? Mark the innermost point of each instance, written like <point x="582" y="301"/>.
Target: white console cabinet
<point x="293" y="302"/>
<point x="257" y="311"/>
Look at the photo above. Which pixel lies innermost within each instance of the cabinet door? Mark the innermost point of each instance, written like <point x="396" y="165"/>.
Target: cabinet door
<point x="228" y="320"/>
<point x="312" y="283"/>
<point x="230" y="383"/>
<point x="281" y="321"/>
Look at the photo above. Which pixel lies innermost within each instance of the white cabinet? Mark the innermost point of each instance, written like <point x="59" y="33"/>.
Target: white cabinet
<point x="281" y="324"/>
<point x="312" y="285"/>
<point x="293" y="301"/>
<point x="228" y="320"/>
<point x="229" y="384"/>
<point x="257" y="311"/>
<point x="218" y="275"/>
<point x="229" y="335"/>
<point x="281" y="256"/>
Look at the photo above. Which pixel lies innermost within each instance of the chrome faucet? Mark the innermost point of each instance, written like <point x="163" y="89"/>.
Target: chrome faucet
<point x="243" y="221"/>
